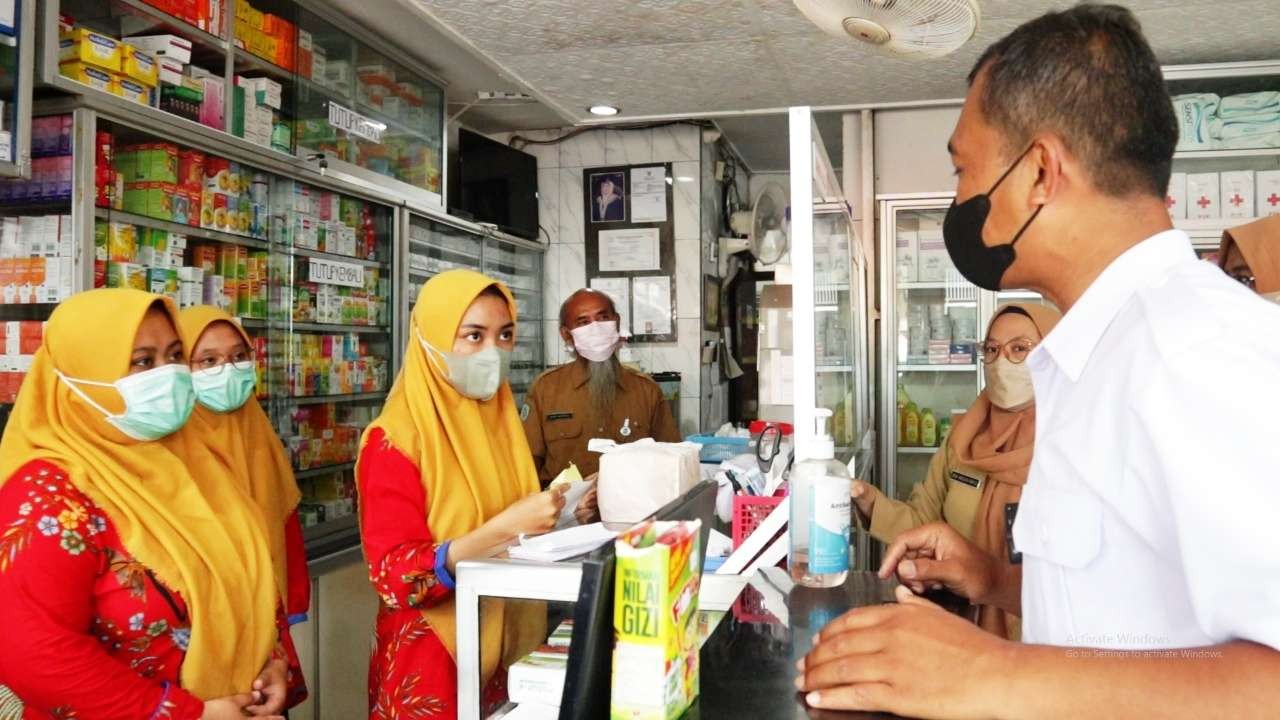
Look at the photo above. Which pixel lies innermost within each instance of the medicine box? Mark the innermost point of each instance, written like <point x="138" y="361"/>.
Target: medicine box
<point x="907" y="242"/>
<point x="1203" y="196"/>
<point x="932" y="258"/>
<point x="93" y="76"/>
<point x="1268" y="195"/>
<point x="90" y="48"/>
<point x="139" y="66"/>
<point x="1237" y="192"/>
<point x="1175" y="198"/>
<point x="172" y="47"/>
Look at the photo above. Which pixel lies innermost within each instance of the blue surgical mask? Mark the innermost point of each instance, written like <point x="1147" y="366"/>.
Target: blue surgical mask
<point x="156" y="402"/>
<point x="478" y="375"/>
<point x="226" y="387"/>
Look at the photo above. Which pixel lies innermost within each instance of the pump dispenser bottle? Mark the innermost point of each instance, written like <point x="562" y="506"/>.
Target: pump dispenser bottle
<point x="820" y="507"/>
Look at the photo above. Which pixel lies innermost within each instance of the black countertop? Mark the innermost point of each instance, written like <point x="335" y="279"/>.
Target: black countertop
<point x="748" y="663"/>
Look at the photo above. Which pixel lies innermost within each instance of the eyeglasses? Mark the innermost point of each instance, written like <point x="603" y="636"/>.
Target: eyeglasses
<point x="214" y="364"/>
<point x="1245" y="280"/>
<point x="1016" y="350"/>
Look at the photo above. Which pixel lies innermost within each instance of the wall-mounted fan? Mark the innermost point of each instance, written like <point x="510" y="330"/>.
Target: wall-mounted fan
<point x="918" y="28"/>
<point x="765" y="227"/>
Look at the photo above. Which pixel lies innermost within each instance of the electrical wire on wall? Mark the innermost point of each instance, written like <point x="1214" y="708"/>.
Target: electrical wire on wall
<point x="520" y="141"/>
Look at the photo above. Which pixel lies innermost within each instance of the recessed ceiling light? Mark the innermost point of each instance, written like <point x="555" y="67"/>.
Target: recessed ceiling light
<point x="605" y="110"/>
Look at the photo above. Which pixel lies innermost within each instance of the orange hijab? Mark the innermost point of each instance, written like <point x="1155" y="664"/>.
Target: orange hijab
<point x="205" y="540"/>
<point x="999" y="443"/>
<point x="473" y="457"/>
<point x="1259" y="243"/>
<point x="245" y="442"/>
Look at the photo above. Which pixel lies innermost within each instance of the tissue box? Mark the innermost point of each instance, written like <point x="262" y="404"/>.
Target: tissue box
<point x="1175" y="198"/>
<point x="1268" y="198"/>
<point x="655" y="611"/>
<point x="640" y="477"/>
<point x="1237" y="194"/>
<point x="1203" y="198"/>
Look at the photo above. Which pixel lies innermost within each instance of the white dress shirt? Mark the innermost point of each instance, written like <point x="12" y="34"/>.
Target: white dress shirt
<point x="1151" y="517"/>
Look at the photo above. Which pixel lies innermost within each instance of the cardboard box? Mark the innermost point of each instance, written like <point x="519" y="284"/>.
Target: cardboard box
<point x="1268" y="195"/>
<point x="139" y="66"/>
<point x="1237" y="192"/>
<point x="931" y="256"/>
<point x="170" y="72"/>
<point x="164" y="47"/>
<point x="85" y="46"/>
<point x="264" y="91"/>
<point x="133" y="91"/>
<point x="1175" y="198"/>
<point x="655" y="661"/>
<point x="907" y="242"/>
<point x="94" y="77"/>
<point x="1204" y="201"/>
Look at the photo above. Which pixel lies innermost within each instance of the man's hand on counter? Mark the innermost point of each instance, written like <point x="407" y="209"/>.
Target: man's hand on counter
<point x="911" y="658"/>
<point x="936" y="556"/>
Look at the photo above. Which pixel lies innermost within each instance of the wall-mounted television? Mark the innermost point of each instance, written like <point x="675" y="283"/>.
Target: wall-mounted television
<point x="499" y="184"/>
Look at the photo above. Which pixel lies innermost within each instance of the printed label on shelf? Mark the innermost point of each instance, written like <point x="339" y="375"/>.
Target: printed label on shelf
<point x="355" y="123"/>
<point x="331" y="272"/>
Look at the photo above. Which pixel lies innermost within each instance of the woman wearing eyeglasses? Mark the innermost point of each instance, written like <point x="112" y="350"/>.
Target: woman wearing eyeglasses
<point x="1250" y="254"/>
<point x="985" y="461"/>
<point x="228" y="423"/>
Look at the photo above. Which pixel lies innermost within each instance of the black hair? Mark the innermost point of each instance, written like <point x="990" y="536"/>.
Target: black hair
<point x="493" y="291"/>
<point x="1088" y="75"/>
<point x="1013" y="310"/>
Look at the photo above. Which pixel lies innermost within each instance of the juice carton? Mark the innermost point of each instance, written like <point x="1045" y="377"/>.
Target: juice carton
<point x="655" y="661"/>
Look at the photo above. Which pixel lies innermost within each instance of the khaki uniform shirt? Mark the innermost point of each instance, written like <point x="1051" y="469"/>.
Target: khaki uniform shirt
<point x="558" y="418"/>
<point x="950" y="492"/>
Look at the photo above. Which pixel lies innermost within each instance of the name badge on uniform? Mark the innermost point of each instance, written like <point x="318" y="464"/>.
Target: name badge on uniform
<point x="552" y="417"/>
<point x="1010" y="513"/>
<point x="960" y="477"/>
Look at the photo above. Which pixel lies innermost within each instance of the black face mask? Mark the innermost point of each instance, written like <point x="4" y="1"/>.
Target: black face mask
<point x="979" y="263"/>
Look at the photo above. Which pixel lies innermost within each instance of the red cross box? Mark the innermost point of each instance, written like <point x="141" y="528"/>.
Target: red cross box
<point x="1175" y="198"/>
<point x="1203" y="199"/>
<point x="1237" y="194"/>
<point x="1268" y="198"/>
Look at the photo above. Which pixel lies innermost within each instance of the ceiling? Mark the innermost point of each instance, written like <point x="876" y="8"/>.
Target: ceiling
<point x="699" y="57"/>
<point x="760" y="140"/>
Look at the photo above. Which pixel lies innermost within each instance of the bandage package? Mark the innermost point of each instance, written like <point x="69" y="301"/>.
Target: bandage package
<point x="1203" y="197"/>
<point x="1175" y="199"/>
<point x="640" y="477"/>
<point x="1237" y="192"/>
<point x="1268" y="195"/>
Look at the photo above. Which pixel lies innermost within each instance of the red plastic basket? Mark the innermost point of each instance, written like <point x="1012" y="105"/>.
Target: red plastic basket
<point x="748" y="512"/>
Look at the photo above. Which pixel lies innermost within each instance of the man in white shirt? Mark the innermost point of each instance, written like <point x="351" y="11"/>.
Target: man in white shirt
<point x="1150" y="580"/>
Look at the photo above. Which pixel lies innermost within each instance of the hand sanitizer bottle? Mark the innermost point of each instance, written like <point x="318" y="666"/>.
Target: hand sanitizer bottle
<point x="820" y="506"/>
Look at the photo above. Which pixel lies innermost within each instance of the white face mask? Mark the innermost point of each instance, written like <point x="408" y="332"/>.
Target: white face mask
<point x="1008" y="384"/>
<point x="597" y="341"/>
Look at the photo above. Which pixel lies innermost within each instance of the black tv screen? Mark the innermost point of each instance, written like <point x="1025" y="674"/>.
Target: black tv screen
<point x="499" y="184"/>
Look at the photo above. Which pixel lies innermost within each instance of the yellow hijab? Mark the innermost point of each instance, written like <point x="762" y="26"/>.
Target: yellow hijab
<point x="245" y="442"/>
<point x="473" y="456"/>
<point x="206" y="541"/>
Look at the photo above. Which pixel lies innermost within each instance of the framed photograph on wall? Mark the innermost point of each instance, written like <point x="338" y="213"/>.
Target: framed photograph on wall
<point x="710" y="303"/>
<point x="608" y="197"/>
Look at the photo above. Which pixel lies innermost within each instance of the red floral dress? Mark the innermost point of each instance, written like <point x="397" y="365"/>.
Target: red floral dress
<point x="411" y="674"/>
<point x="89" y="631"/>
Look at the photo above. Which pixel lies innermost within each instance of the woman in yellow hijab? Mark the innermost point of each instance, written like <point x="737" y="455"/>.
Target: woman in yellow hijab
<point x="128" y="590"/>
<point x="228" y="423"/>
<point x="444" y="475"/>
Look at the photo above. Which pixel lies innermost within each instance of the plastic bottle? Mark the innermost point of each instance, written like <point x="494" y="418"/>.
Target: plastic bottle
<point x="911" y="435"/>
<point x="903" y="399"/>
<point x="944" y="430"/>
<point x="820" y="507"/>
<point x="928" y="429"/>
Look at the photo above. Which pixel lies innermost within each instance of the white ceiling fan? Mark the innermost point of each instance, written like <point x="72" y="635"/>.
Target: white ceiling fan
<point x="911" y="28"/>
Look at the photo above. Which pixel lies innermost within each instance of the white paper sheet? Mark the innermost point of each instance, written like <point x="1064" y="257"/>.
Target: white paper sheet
<point x="562" y="544"/>
<point x="619" y="289"/>
<point x="648" y="194"/>
<point x="628" y="250"/>
<point x="651" y="305"/>
<point x="532" y="711"/>
<point x="572" y="496"/>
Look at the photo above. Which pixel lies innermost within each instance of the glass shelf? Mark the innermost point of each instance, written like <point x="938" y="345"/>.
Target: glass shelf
<point x="325" y="399"/>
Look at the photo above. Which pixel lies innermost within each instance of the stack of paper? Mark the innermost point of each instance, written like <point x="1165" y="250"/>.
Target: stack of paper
<point x="562" y="543"/>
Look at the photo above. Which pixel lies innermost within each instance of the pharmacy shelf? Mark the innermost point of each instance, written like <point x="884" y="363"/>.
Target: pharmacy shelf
<point x="332" y="328"/>
<point x="304" y="252"/>
<point x="1217" y="154"/>
<point x="1216" y="225"/>
<point x="325" y="399"/>
<point x="397" y="127"/>
<point x="178" y="228"/>
<point x="936" y="368"/>
<point x="322" y="470"/>
<point x="11" y="208"/>
<point x="324" y="91"/>
<point x="917" y="450"/>
<point x="246" y="59"/>
<point x="138" y="18"/>
<point x="426" y="245"/>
